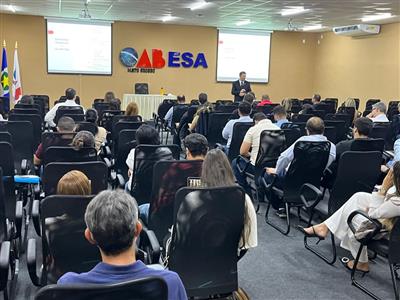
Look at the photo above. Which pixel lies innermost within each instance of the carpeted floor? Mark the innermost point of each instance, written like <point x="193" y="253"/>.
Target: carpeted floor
<point x="281" y="268"/>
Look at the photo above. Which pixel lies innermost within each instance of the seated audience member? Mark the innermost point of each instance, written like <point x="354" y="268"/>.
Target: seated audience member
<point x="113" y="226"/>
<point x="383" y="205"/>
<point x="244" y="116"/>
<point x="132" y="109"/>
<point x="145" y="135"/>
<point x="83" y="139"/>
<point x="217" y="172"/>
<point x="196" y="147"/>
<point x="250" y="147"/>
<point x="115" y="104"/>
<point x="306" y="109"/>
<point x="315" y="133"/>
<point x="70" y="95"/>
<point x="108" y="97"/>
<point x="168" y="116"/>
<point x="65" y="125"/>
<point x="350" y="102"/>
<point x="280" y="116"/>
<point x="249" y="98"/>
<point x="74" y="183"/>
<point x="204" y="106"/>
<point x="361" y="130"/>
<point x="316" y="99"/>
<point x="26" y="99"/>
<point x="264" y="101"/>
<point x="100" y="137"/>
<point x="378" y="113"/>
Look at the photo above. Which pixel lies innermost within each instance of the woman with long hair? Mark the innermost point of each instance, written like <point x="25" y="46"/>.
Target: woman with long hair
<point x="383" y="205"/>
<point x="74" y="183"/>
<point x="217" y="172"/>
<point x="132" y="109"/>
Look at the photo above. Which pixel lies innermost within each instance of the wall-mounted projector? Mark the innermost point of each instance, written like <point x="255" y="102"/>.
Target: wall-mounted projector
<point x="357" y="30"/>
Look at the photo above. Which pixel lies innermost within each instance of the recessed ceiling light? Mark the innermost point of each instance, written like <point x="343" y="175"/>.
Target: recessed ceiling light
<point x="168" y="18"/>
<point x="313" y="27"/>
<point x="243" y="22"/>
<point x="293" y="10"/>
<point x="377" y="17"/>
<point x="12" y="8"/>
<point x="199" y="5"/>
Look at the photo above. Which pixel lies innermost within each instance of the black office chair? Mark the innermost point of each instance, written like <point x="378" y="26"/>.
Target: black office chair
<point x="302" y="117"/>
<point x="149" y="288"/>
<point x="347" y="118"/>
<point x="96" y="171"/>
<point x="42" y="100"/>
<point x="370" y="102"/>
<point x="5" y="137"/>
<point x="124" y="118"/>
<point x="36" y="122"/>
<point x="178" y="111"/>
<point x="309" y="162"/>
<point x="168" y="178"/>
<point x="118" y="127"/>
<point x="358" y="171"/>
<point x="76" y="117"/>
<point x="39" y="107"/>
<point x="126" y="142"/>
<point x="380" y="131"/>
<point x="106" y="119"/>
<point x="87" y="126"/>
<point x="50" y="139"/>
<point x="100" y="107"/>
<point x="387" y="248"/>
<point x="68" y="110"/>
<point x="25" y="111"/>
<point x="368" y="145"/>
<point x="266" y="109"/>
<point x="227" y="108"/>
<point x="292" y="133"/>
<point x="212" y="219"/>
<point x="341" y="130"/>
<point x="216" y="123"/>
<point x="239" y="131"/>
<point x="141" y="88"/>
<point x="331" y="134"/>
<point x="145" y="158"/>
<point x="162" y="110"/>
<point x="68" y="154"/>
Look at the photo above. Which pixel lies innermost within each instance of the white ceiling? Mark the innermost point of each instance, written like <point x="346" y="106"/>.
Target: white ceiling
<point x="220" y="13"/>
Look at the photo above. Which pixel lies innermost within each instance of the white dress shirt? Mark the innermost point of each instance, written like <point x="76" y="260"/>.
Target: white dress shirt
<point x="49" y="118"/>
<point x="380" y="119"/>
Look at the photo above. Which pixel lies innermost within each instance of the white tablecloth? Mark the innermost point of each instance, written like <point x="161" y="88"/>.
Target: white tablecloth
<point x="147" y="103"/>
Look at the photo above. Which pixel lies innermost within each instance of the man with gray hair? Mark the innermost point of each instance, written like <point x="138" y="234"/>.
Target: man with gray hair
<point x="378" y="113"/>
<point x="112" y="225"/>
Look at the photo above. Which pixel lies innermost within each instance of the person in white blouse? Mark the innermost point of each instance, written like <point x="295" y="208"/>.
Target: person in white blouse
<point x="383" y="205"/>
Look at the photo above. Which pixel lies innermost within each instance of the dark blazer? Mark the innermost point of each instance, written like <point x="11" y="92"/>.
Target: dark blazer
<point x="236" y="88"/>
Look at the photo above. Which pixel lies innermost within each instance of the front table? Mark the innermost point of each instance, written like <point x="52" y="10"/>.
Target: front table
<point x="147" y="103"/>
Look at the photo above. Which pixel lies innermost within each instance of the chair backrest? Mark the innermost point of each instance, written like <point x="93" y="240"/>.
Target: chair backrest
<point x="332" y="101"/>
<point x="124" y="118"/>
<point x="168" y="177"/>
<point x="5" y="137"/>
<point x="22" y="140"/>
<point x="63" y="240"/>
<point x="319" y="113"/>
<point x="39" y="107"/>
<point x="394" y="243"/>
<point x="370" y="102"/>
<point x="266" y="109"/>
<point x="331" y="134"/>
<point x="50" y="139"/>
<point x="67" y="110"/>
<point x="76" y="117"/>
<point x="348" y="111"/>
<point x="141" y="88"/>
<point x="43" y="99"/>
<point x="178" y="112"/>
<point x="380" y="131"/>
<point x="118" y="127"/>
<point x="340" y="128"/>
<point x="149" y="288"/>
<point x="96" y="171"/>
<point x="145" y="158"/>
<point x="36" y="121"/>
<point x="347" y="118"/>
<point x="368" y="145"/>
<point x="126" y="142"/>
<point x="100" y="107"/>
<point x="272" y="144"/>
<point x="3" y="213"/>
<point x="164" y="107"/>
<point x="88" y="126"/>
<point x="223" y="102"/>
<point x="208" y="224"/>
<point x="106" y="118"/>
<point x="302" y="117"/>
<point x="326" y="107"/>
<point x="25" y="111"/>
<point x="239" y="131"/>
<point x="358" y="171"/>
<point x="8" y="171"/>
<point x="216" y="123"/>
<point x="228" y="108"/>
<point x="292" y="134"/>
<point x="309" y="162"/>
<point x="69" y="154"/>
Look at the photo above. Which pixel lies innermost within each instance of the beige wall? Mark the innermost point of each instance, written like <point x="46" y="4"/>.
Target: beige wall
<point x="290" y="72"/>
<point x="362" y="67"/>
<point x="337" y="67"/>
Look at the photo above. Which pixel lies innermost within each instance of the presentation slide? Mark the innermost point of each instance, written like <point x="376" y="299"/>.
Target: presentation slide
<point x="79" y="47"/>
<point x="247" y="51"/>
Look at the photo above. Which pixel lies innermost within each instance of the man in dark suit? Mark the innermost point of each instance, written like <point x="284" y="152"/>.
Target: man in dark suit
<point x="240" y="87"/>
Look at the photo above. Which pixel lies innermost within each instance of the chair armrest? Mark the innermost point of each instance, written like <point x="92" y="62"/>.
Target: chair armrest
<point x="328" y="171"/>
<point x="315" y="198"/>
<point x="18" y="217"/>
<point x="376" y="223"/>
<point x="149" y="243"/>
<point x="108" y="162"/>
<point x="4" y="264"/>
<point x="36" y="216"/>
<point x="120" y="181"/>
<point x="247" y="163"/>
<point x="24" y="167"/>
<point x="31" y="259"/>
<point x="265" y="184"/>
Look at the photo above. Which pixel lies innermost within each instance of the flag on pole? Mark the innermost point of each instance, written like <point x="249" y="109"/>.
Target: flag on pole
<point x="16" y="84"/>
<point x="4" y="80"/>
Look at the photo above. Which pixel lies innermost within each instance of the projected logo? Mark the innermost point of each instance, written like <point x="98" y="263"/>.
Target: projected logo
<point x="146" y="63"/>
<point x="128" y="57"/>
